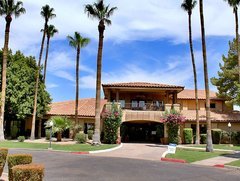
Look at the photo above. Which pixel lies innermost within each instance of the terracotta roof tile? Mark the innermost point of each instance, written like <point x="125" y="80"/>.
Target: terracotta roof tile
<point x="141" y="85"/>
<point x="215" y="116"/>
<point x="86" y="107"/>
<point x="190" y="94"/>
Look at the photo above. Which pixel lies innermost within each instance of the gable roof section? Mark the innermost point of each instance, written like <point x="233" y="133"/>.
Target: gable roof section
<point x="141" y="85"/>
<point x="86" y="108"/>
<point x="190" y="94"/>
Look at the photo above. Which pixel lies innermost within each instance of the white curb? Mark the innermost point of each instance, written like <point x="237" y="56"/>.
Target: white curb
<point x="106" y="150"/>
<point x="164" y="154"/>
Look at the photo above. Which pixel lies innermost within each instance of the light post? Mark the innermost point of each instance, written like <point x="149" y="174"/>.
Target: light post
<point x="50" y="140"/>
<point x="230" y="132"/>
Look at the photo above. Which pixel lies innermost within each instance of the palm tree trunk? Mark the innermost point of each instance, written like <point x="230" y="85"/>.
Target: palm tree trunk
<point x="36" y="87"/>
<point x="237" y="42"/>
<point x="46" y="59"/>
<point x="96" y="136"/>
<point x="77" y="88"/>
<point x="4" y="75"/>
<point x="209" y="147"/>
<point x="197" y="141"/>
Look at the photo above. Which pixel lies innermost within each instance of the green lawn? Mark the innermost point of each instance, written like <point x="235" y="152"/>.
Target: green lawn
<point x="235" y="163"/>
<point x="74" y="148"/>
<point x="192" y="155"/>
<point x="222" y="146"/>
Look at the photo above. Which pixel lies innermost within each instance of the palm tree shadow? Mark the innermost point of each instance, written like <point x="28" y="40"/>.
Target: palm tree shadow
<point x="232" y="155"/>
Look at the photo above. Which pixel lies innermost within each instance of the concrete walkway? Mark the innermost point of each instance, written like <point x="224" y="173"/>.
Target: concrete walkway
<point x="219" y="160"/>
<point x="142" y="151"/>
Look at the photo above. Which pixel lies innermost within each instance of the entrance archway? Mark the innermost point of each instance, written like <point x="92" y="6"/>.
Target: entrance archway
<point x="142" y="131"/>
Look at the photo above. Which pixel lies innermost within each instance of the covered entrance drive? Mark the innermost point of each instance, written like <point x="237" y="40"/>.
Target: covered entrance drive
<point x="142" y="131"/>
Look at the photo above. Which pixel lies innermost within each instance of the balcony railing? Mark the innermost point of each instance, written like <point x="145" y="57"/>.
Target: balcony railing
<point x="143" y="107"/>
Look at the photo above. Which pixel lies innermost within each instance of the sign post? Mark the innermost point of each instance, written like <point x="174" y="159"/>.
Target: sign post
<point x="172" y="148"/>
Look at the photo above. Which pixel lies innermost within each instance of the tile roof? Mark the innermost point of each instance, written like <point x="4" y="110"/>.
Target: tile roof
<point x="141" y="85"/>
<point x="190" y="94"/>
<point x="86" y="107"/>
<point x="215" y="116"/>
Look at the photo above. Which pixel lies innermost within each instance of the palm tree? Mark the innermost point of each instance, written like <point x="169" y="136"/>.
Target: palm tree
<point x="46" y="13"/>
<point x="102" y="13"/>
<point x="8" y="8"/>
<point x="77" y="42"/>
<point x="234" y="4"/>
<point x="209" y="147"/>
<point x="51" y="31"/>
<point x="188" y="6"/>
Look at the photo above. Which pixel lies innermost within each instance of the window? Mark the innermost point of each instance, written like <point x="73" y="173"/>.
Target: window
<point x="122" y="102"/>
<point x="141" y="104"/>
<point x="212" y="105"/>
<point x="134" y="104"/>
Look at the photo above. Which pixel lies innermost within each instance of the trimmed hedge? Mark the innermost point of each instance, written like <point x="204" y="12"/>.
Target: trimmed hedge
<point x="90" y="134"/>
<point x="80" y="138"/>
<point x="3" y="157"/>
<point x="203" y="138"/>
<point x="188" y="135"/>
<point x="28" y="172"/>
<point x="17" y="159"/>
<point x="216" y="136"/>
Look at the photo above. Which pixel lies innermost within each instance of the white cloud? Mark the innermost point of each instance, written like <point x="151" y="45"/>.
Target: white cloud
<point x="150" y="19"/>
<point x="52" y="85"/>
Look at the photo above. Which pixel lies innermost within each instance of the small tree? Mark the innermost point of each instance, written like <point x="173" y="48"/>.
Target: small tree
<point x="112" y="121"/>
<point x="173" y="119"/>
<point x="60" y="124"/>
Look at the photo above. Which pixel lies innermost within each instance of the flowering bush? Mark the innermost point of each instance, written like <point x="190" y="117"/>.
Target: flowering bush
<point x="112" y="121"/>
<point x="173" y="120"/>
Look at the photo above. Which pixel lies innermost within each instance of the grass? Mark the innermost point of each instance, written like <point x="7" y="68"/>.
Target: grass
<point x="235" y="163"/>
<point x="74" y="147"/>
<point x="193" y="155"/>
<point x="221" y="146"/>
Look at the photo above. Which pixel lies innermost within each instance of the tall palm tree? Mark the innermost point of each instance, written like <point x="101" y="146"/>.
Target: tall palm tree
<point x="209" y="147"/>
<point x="77" y="42"/>
<point x="234" y="4"/>
<point x="188" y="6"/>
<point x="46" y="13"/>
<point x="102" y="13"/>
<point x="8" y="8"/>
<point x="51" y="31"/>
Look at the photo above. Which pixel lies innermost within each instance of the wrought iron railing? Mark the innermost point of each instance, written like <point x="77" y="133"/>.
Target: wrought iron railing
<point x="143" y="107"/>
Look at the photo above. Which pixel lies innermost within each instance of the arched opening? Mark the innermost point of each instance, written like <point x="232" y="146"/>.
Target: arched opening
<point x="142" y="131"/>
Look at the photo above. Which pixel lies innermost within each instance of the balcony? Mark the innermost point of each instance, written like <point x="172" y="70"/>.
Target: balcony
<point x="143" y="106"/>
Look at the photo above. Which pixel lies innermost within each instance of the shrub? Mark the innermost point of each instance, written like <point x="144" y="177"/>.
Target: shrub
<point x="3" y="157"/>
<point x="112" y="121"/>
<point x="28" y="172"/>
<point x="21" y="138"/>
<point x="188" y="135"/>
<point x="90" y="134"/>
<point x="14" y="131"/>
<point x="236" y="137"/>
<point x="173" y="119"/>
<point x="203" y="138"/>
<point x="17" y="159"/>
<point x="216" y="136"/>
<point x="80" y="138"/>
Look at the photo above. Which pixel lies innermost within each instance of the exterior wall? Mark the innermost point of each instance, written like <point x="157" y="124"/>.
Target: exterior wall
<point x="189" y="104"/>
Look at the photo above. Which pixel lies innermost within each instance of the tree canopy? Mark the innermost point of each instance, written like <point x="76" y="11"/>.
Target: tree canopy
<point x="227" y="80"/>
<point x="21" y="71"/>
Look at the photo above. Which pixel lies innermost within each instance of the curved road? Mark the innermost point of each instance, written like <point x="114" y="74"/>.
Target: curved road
<point x="71" y="167"/>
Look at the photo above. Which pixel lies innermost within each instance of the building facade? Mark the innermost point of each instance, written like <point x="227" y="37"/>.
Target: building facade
<point x="143" y="105"/>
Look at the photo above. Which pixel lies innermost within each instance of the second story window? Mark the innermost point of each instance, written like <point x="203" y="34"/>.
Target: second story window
<point x="122" y="102"/>
<point x="212" y="105"/>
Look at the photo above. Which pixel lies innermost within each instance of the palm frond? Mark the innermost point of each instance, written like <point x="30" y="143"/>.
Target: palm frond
<point x="107" y="21"/>
<point x="110" y="12"/>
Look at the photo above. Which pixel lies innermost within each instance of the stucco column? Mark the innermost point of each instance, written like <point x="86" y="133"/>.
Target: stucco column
<point x="119" y="136"/>
<point x="165" y="130"/>
<point x="168" y="107"/>
<point x="117" y="95"/>
<point x="176" y="107"/>
<point x="109" y="96"/>
<point x="167" y="97"/>
<point x="174" y="97"/>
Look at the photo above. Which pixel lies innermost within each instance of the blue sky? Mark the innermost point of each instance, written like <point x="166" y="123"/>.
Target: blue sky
<point x="147" y="41"/>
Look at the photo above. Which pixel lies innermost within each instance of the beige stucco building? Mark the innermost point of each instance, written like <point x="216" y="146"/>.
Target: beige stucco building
<point x="143" y="105"/>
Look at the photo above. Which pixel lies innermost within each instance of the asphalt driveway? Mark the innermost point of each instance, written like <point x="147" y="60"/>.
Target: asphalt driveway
<point x="71" y="167"/>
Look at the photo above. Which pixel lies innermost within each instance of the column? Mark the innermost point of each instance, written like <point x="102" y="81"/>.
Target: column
<point x="109" y="96"/>
<point x="117" y="95"/>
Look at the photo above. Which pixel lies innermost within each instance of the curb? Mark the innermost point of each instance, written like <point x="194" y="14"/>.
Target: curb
<point x="173" y="160"/>
<point x="219" y="165"/>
